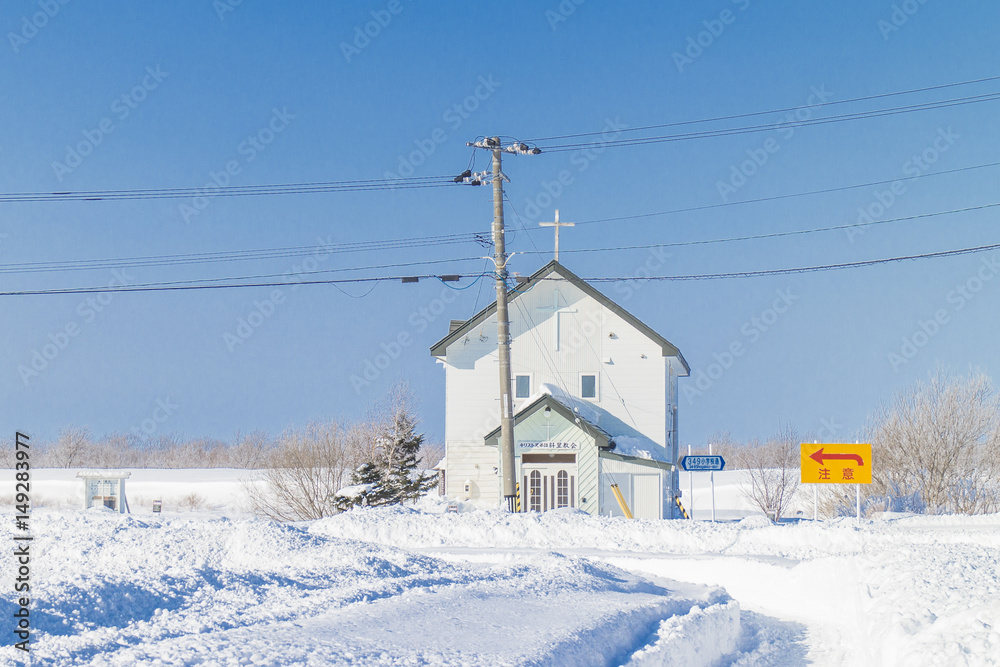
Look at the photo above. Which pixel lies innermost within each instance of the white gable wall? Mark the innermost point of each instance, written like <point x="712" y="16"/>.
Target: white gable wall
<point x="584" y="346"/>
<point x="634" y="379"/>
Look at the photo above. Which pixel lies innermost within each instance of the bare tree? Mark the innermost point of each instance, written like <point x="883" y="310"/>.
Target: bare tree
<point x="161" y="451"/>
<point x="301" y="474"/>
<point x="115" y="451"/>
<point x="249" y="452"/>
<point x="431" y="454"/>
<point x="935" y="448"/>
<point x="72" y="449"/>
<point x="724" y="445"/>
<point x="773" y="470"/>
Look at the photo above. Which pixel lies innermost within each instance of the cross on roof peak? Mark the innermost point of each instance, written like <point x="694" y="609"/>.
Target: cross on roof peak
<point x="557" y="225"/>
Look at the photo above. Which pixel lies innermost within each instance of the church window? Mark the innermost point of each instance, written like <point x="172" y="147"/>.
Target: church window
<point x="535" y="491"/>
<point x="562" y="489"/>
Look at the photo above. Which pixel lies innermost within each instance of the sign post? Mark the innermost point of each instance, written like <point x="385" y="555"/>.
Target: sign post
<point x="710" y="464"/>
<point x="837" y="464"/>
<point x="711" y="479"/>
<point x="691" y="486"/>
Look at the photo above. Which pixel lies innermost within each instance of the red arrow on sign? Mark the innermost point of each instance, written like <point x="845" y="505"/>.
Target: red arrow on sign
<point x="819" y="457"/>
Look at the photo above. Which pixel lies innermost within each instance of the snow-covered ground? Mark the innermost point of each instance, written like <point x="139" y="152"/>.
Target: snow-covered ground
<point x="213" y="585"/>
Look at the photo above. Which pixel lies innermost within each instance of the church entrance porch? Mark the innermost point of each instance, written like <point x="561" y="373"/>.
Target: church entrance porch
<point x="548" y="481"/>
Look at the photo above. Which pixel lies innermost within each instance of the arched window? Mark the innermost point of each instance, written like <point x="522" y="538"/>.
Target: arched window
<point x="562" y="489"/>
<point x="535" y="491"/>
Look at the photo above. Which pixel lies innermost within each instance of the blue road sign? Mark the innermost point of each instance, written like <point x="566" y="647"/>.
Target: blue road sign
<point x="703" y="463"/>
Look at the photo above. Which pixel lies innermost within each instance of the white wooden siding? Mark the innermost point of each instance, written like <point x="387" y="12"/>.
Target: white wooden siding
<point x="646" y="496"/>
<point x="473" y="462"/>
<point x="631" y="388"/>
<point x="636" y="386"/>
<point x="641" y="485"/>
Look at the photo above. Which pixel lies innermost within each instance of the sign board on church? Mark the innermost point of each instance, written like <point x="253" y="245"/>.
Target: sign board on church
<point x="836" y="464"/>
<point x="548" y="446"/>
<point x="703" y="463"/>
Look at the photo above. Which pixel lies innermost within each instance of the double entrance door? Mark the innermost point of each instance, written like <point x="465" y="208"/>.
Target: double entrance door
<point x="548" y="481"/>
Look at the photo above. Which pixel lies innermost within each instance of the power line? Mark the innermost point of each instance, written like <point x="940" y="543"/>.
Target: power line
<point x="196" y="281"/>
<point x="361" y="185"/>
<point x="520" y="222"/>
<point x="804" y="269"/>
<point x="793" y="195"/>
<point x="245" y="255"/>
<point x="733" y="131"/>
<point x="443" y="239"/>
<point x="771" y="111"/>
<point x="796" y="232"/>
<point x="212" y="190"/>
<point x="171" y="260"/>
<point x="159" y="287"/>
<point x="175" y="288"/>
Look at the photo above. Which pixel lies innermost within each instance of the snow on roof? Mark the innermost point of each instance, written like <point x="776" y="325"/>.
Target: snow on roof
<point x="583" y="408"/>
<point x="639" y="447"/>
<point x="104" y="474"/>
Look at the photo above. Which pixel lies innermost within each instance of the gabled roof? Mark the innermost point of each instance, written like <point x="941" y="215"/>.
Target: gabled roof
<point x="440" y="348"/>
<point x="636" y="450"/>
<point x="604" y="439"/>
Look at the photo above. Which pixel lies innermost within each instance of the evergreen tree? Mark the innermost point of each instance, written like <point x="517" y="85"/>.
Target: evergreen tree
<point x="400" y="445"/>
<point x="365" y="474"/>
<point x="392" y="468"/>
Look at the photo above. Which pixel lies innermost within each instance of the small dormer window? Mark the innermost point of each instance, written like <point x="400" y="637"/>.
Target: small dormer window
<point x="588" y="385"/>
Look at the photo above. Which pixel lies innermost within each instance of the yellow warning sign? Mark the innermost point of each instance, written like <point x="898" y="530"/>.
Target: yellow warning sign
<point x="836" y="464"/>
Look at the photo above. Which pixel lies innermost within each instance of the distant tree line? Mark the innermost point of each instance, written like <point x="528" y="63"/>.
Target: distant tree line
<point x="75" y="447"/>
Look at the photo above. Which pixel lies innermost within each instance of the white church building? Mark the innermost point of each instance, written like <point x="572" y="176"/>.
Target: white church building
<point x="595" y="403"/>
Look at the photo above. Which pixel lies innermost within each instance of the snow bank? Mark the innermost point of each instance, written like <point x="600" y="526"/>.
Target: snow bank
<point x="700" y="637"/>
<point x="109" y="589"/>
<point x="424" y="586"/>
<point x="900" y="591"/>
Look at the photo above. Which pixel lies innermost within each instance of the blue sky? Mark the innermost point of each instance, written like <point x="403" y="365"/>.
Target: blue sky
<point x="169" y="93"/>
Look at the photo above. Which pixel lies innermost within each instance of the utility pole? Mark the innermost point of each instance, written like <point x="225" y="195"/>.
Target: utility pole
<point x="503" y="321"/>
<point x="503" y="337"/>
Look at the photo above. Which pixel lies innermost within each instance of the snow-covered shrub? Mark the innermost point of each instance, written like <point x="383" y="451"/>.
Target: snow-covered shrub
<point x="301" y="474"/>
<point x="192" y="502"/>
<point x="935" y="447"/>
